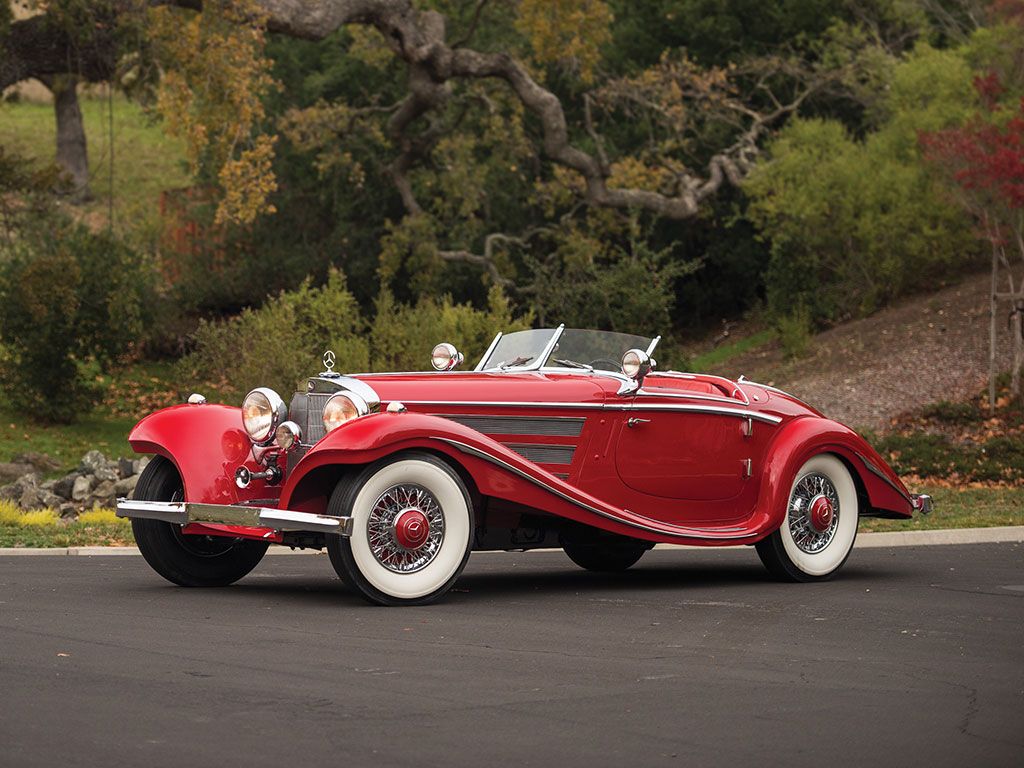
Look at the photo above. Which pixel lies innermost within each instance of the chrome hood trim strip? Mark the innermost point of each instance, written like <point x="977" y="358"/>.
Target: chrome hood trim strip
<point x="682" y="408"/>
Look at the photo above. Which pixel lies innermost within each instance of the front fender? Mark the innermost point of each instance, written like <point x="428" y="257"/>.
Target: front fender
<point x="207" y="444"/>
<point x="806" y="437"/>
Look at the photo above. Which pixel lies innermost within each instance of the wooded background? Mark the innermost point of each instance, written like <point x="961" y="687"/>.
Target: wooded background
<point x="379" y="175"/>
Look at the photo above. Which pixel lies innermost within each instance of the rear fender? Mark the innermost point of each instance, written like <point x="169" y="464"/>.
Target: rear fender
<point x="881" y="489"/>
<point x="207" y="444"/>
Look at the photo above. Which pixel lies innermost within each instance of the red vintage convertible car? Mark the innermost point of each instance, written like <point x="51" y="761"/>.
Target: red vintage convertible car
<point x="558" y="438"/>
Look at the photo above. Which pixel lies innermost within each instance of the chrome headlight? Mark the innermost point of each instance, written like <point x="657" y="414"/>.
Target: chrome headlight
<point x="444" y="357"/>
<point x="262" y="410"/>
<point x="636" y="363"/>
<point x="343" y="407"/>
<point x="288" y="435"/>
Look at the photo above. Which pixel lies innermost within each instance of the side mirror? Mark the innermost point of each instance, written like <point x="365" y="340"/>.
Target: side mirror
<point x="445" y="357"/>
<point x="636" y="364"/>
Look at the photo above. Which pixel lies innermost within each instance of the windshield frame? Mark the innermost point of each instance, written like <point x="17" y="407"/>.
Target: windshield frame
<point x="537" y="364"/>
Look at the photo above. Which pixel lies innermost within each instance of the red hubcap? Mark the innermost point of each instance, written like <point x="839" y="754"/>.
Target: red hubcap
<point x="411" y="528"/>
<point x="822" y="514"/>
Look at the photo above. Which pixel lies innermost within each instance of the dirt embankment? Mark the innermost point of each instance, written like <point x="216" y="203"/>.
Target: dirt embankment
<point x="866" y="372"/>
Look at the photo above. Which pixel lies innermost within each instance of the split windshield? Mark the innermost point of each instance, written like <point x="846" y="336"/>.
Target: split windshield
<point x="562" y="348"/>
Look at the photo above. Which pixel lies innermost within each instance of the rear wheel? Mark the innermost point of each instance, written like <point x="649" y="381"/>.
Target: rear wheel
<point x="820" y="526"/>
<point x="412" y="529"/>
<point x="605" y="554"/>
<point x="187" y="560"/>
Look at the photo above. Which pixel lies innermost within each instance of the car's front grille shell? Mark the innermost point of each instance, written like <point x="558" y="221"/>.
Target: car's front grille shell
<point x="314" y="431"/>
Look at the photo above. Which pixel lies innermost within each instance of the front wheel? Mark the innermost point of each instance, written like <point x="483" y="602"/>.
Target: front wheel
<point x="187" y="560"/>
<point x="412" y="529"/>
<point x="820" y="526"/>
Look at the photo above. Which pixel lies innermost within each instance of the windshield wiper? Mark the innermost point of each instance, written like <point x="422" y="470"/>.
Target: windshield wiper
<point x="520" y="360"/>
<point x="573" y="364"/>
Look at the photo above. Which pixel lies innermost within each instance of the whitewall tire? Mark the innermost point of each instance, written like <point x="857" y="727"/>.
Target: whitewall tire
<point x="412" y="529"/>
<point x="820" y="524"/>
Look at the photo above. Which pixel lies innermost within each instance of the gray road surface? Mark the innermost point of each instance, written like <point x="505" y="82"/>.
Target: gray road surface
<point x="915" y="656"/>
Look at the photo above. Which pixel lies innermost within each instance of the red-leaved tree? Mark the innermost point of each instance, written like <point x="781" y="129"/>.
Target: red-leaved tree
<point x="984" y="160"/>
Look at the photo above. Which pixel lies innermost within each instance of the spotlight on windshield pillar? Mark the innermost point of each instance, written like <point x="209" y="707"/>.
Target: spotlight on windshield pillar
<point x="445" y="357"/>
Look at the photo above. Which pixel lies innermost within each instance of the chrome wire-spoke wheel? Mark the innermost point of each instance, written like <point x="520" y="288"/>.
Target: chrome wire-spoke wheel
<point x="820" y="523"/>
<point x="405" y="528"/>
<point x="412" y="527"/>
<point x="814" y="510"/>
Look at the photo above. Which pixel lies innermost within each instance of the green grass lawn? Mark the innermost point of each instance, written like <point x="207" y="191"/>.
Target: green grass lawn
<point x="960" y="508"/>
<point x="146" y="160"/>
<point x="66" y="443"/>
<point x="726" y="352"/>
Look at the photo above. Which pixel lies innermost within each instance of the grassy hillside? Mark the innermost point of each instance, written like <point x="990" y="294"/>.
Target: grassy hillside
<point x="145" y="160"/>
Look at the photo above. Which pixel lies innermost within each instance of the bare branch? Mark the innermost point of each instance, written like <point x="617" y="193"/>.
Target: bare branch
<point x="477" y="12"/>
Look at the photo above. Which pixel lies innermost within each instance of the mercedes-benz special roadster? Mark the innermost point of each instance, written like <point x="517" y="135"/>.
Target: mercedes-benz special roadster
<point x="557" y="438"/>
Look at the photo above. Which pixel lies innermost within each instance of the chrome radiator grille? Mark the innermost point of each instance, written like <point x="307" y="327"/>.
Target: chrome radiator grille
<point x="314" y="430"/>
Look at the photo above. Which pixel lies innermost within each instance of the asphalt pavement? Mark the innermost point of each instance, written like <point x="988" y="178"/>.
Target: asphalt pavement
<point x="913" y="656"/>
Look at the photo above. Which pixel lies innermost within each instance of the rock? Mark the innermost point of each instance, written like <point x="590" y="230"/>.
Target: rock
<point x="67" y="509"/>
<point x="92" y="461"/>
<point x="48" y="485"/>
<point x="140" y="464"/>
<point x="12" y="470"/>
<point x="29" y="498"/>
<point x="126" y="487"/>
<point x="125" y="468"/>
<point x="39" y="461"/>
<point x="107" y="473"/>
<point x="49" y="500"/>
<point x="82" y="487"/>
<point x="65" y="485"/>
<point x="104" y="493"/>
<point x="17" y="490"/>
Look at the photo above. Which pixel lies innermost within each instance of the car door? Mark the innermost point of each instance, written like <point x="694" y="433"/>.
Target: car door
<point x="684" y="442"/>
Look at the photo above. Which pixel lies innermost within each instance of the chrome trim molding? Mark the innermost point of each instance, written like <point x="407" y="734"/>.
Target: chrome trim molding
<point x="879" y="473"/>
<point x="738" y="412"/>
<point x="688" y="396"/>
<point x="714" y="409"/>
<point x="487" y="354"/>
<point x="185" y="512"/>
<point x="543" y="356"/>
<point x="668" y="530"/>
<point x="653" y="344"/>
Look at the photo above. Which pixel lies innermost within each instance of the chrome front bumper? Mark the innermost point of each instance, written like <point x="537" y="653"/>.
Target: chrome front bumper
<point x="923" y="503"/>
<point x="185" y="512"/>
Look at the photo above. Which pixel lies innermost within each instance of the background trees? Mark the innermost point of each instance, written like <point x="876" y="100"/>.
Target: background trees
<point x="642" y="166"/>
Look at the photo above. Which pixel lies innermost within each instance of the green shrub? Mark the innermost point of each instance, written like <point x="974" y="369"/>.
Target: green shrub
<point x="795" y="330"/>
<point x="72" y="303"/>
<point x="403" y="334"/>
<point x="282" y="342"/>
<point x="855" y="223"/>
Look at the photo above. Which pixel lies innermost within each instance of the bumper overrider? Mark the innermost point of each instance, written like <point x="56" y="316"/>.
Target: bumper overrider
<point x="185" y="512"/>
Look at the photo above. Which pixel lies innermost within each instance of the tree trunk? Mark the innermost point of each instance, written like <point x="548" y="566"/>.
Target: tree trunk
<point x="992" y="331"/>
<point x="72" y="153"/>
<point x="1017" y="331"/>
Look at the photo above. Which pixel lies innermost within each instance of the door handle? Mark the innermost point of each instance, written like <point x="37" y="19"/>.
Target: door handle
<point x="632" y="421"/>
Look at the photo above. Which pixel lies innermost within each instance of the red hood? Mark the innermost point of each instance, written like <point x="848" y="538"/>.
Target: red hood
<point x="491" y="387"/>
